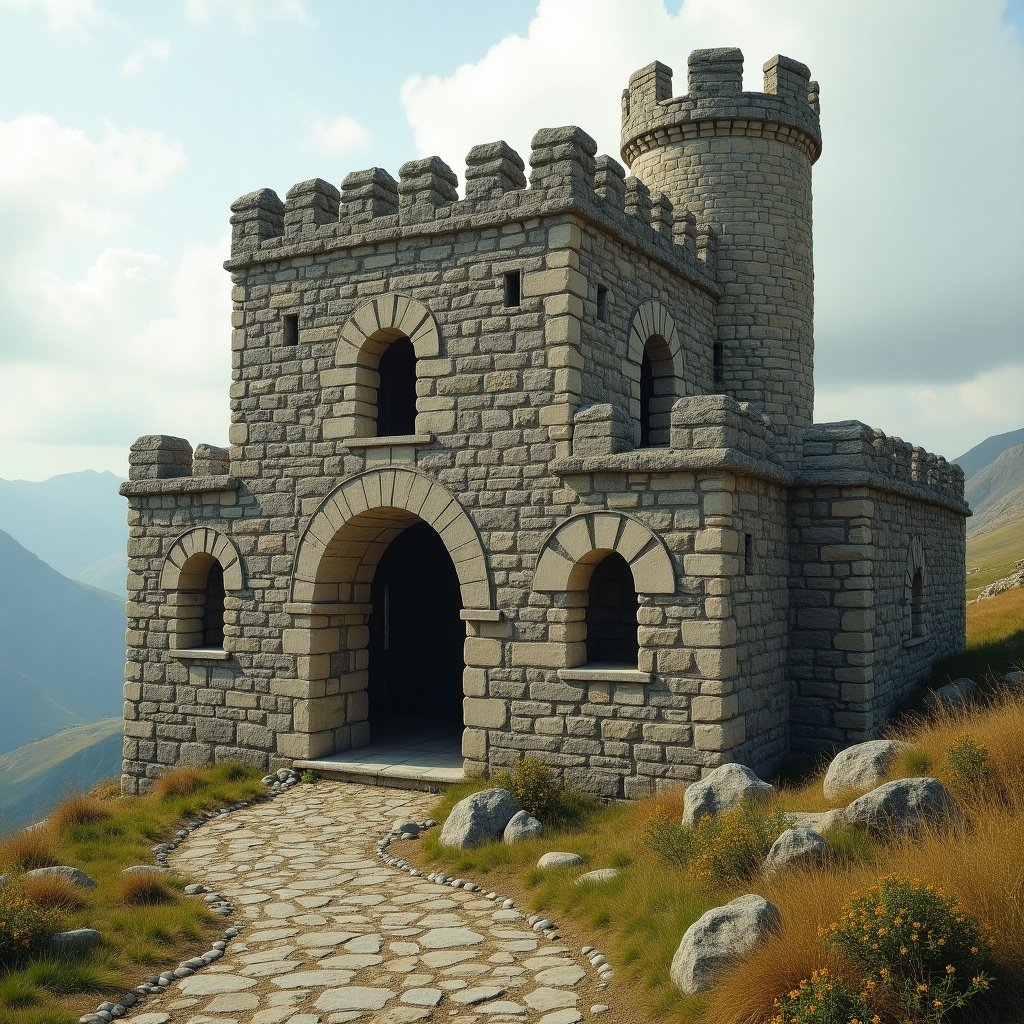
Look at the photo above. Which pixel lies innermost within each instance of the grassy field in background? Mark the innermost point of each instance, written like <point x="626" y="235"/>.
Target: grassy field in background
<point x="994" y="553"/>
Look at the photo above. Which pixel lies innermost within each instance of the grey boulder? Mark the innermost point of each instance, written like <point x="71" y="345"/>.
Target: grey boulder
<point x="955" y="693"/>
<point x="78" y="939"/>
<point x="596" y="877"/>
<point x="557" y="859"/>
<point x="902" y="806"/>
<point x="1013" y="679"/>
<point x="144" y="869"/>
<point x="819" y="821"/>
<point x="723" y="790"/>
<point x="73" y="875"/>
<point x="860" y="767"/>
<point x="522" y="825"/>
<point x="796" y="847"/>
<point x="479" y="818"/>
<point x="720" y="938"/>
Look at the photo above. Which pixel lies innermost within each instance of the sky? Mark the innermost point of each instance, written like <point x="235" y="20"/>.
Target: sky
<point x="127" y="128"/>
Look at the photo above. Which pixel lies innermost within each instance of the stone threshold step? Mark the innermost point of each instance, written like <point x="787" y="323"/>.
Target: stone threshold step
<point x="395" y="776"/>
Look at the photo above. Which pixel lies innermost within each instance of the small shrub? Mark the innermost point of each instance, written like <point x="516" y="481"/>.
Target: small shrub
<point x="970" y="764"/>
<point x="916" y="762"/>
<point x="79" y="810"/>
<point x="726" y="847"/>
<point x="54" y="893"/>
<point x="824" y="999"/>
<point x="310" y="777"/>
<point x="183" y="781"/>
<point x="914" y="942"/>
<point x="144" y="888"/>
<point x="534" y="786"/>
<point x="25" y="927"/>
<point x="235" y="772"/>
<point x="28" y="849"/>
<point x="17" y="990"/>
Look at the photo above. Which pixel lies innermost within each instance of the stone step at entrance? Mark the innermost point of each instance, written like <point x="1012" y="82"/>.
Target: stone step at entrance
<point x="399" y="761"/>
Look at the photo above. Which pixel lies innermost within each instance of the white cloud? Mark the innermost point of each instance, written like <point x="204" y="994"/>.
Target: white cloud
<point x="57" y="183"/>
<point x="136" y="344"/>
<point x="918" y="208"/>
<point x="61" y="15"/>
<point x="338" y="136"/>
<point x="151" y="51"/>
<point x="246" y="14"/>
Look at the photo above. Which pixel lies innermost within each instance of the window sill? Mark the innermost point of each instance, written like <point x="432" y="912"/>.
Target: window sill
<point x="604" y="672"/>
<point x="916" y="641"/>
<point x="200" y="654"/>
<point x="391" y="441"/>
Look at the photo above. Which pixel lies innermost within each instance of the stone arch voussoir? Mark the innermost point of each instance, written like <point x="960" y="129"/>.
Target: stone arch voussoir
<point x="201" y="540"/>
<point x="375" y="497"/>
<point x="387" y="317"/>
<point x="579" y="538"/>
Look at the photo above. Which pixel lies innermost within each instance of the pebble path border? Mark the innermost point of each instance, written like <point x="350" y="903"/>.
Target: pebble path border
<point x="278" y="783"/>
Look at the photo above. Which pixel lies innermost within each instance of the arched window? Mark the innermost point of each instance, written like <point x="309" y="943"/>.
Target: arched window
<point x="396" y="392"/>
<point x="657" y="393"/>
<point x="612" y="608"/>
<point x="200" y="604"/>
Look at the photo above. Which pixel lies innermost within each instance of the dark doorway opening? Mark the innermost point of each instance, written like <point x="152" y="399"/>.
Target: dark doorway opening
<point x="416" y="637"/>
<point x="612" y="607"/>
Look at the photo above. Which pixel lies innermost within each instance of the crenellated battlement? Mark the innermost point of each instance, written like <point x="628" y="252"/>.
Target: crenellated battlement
<point x="850" y="446"/>
<point x="566" y="174"/>
<point x="715" y="103"/>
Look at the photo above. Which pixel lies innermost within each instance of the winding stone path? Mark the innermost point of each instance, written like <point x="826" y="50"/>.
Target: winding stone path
<point x="331" y="935"/>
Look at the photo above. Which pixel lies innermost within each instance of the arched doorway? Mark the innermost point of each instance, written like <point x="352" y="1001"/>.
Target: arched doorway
<point x="416" y="637"/>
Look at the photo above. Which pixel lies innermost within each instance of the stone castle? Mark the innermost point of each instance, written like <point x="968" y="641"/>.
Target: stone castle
<point x="538" y="467"/>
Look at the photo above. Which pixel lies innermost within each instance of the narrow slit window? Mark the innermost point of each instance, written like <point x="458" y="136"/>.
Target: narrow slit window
<point x="291" y="328"/>
<point x="602" y="303"/>
<point x="213" y="607"/>
<point x="748" y="554"/>
<point x="396" y="393"/>
<point x="917" y="605"/>
<point x="514" y="288"/>
<point x="717" y="374"/>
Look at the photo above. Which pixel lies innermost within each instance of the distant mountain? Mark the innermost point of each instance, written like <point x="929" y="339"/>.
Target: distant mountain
<point x="36" y="777"/>
<point x="61" y="649"/>
<point x="982" y="454"/>
<point x="76" y="522"/>
<point x="996" y="491"/>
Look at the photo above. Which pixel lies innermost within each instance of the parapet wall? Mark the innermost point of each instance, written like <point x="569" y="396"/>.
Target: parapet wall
<point x="845" y="452"/>
<point x="715" y="103"/>
<point x="566" y="173"/>
<point x="164" y="457"/>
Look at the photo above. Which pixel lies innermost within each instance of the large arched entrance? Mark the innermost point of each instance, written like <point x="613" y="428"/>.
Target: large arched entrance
<point x="416" y="638"/>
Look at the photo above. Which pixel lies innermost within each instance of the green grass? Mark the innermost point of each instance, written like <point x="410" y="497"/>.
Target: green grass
<point x="101" y="837"/>
<point x="994" y="553"/>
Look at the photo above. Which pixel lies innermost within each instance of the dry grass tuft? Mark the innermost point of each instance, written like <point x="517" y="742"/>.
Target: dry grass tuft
<point x="144" y="888"/>
<point x="31" y="848"/>
<point x="54" y="893"/>
<point x="183" y="781"/>
<point x="79" y="809"/>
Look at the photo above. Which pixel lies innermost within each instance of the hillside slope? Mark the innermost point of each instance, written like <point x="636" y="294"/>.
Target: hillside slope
<point x="75" y="522"/>
<point x="988" y="451"/>
<point x="996" y="492"/>
<point x="36" y="777"/>
<point x="61" y="649"/>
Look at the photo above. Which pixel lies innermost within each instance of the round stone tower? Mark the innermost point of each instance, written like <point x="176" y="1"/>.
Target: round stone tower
<point x="741" y="163"/>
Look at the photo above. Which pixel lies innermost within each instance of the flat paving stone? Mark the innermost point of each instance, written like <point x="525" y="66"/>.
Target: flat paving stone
<point x="331" y="935"/>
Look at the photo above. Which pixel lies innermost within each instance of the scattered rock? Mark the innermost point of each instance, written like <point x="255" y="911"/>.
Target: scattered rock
<point x="796" y="847"/>
<point x="77" y="939"/>
<point x="522" y="825"/>
<point x="479" y="818"/>
<point x="723" y="790"/>
<point x="719" y="938"/>
<point x="560" y="860"/>
<point x="601" y="875"/>
<point x="957" y="692"/>
<point x="903" y="806"/>
<point x="73" y="875"/>
<point x="860" y="767"/>
<point x="820" y="821"/>
<point x="143" y="869"/>
<point x="402" y="827"/>
<point x="1013" y="679"/>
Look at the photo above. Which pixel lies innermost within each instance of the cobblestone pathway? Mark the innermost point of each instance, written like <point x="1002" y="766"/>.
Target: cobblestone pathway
<point x="331" y="935"/>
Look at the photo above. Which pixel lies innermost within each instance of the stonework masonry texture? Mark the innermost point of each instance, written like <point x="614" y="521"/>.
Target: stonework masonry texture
<point x="795" y="580"/>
